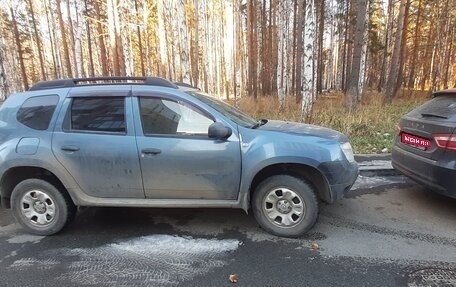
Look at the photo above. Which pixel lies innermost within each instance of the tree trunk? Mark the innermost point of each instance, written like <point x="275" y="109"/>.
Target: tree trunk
<point x="64" y="41"/>
<point x="394" y="75"/>
<point x="52" y="40"/>
<point x="300" y="12"/>
<point x="73" y="40"/>
<point x="308" y="62"/>
<point x="184" y="59"/>
<point x="4" y="89"/>
<point x="101" y="41"/>
<point x="115" y="38"/>
<point x="412" y="74"/>
<point x="281" y="38"/>
<point x="140" y="46"/>
<point x="19" y="50"/>
<point x="89" y="42"/>
<point x="38" y="41"/>
<point x="321" y="29"/>
<point x="353" y="85"/>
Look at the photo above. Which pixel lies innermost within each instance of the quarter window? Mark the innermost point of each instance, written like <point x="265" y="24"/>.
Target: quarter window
<point x="36" y="112"/>
<point x="161" y="116"/>
<point x="105" y="114"/>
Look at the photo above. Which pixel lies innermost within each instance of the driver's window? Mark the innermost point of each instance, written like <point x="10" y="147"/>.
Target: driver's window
<point x="162" y="116"/>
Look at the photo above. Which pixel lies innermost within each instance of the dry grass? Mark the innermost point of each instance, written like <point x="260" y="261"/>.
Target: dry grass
<point x="370" y="128"/>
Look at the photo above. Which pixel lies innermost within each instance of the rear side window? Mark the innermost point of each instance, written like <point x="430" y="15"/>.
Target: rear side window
<point x="106" y="114"/>
<point x="36" y="112"/>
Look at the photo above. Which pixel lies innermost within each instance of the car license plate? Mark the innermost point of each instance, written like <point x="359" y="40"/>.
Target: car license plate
<point x="415" y="141"/>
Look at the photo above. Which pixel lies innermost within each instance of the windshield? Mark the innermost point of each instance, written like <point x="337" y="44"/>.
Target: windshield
<point x="228" y="111"/>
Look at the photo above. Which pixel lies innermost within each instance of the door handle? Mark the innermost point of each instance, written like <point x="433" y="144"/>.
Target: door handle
<point x="152" y="151"/>
<point x="70" y="148"/>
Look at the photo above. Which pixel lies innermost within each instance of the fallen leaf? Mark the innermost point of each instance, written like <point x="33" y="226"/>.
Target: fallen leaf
<point x="234" y="278"/>
<point x="315" y="246"/>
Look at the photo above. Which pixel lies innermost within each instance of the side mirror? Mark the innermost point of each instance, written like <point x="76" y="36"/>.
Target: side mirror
<point x="218" y="131"/>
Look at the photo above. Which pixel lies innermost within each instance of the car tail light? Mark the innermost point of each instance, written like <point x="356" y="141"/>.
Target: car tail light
<point x="446" y="141"/>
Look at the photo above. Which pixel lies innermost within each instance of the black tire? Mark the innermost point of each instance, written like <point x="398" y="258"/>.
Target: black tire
<point x="49" y="204"/>
<point x="291" y="187"/>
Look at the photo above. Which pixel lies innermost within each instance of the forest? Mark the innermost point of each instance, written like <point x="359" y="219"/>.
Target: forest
<point x="292" y="51"/>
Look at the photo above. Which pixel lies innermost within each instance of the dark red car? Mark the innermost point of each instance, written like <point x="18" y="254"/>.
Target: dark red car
<point x="425" y="145"/>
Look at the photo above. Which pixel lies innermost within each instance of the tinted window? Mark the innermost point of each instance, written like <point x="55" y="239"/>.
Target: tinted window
<point x="160" y="116"/>
<point x="37" y="112"/>
<point x="105" y="114"/>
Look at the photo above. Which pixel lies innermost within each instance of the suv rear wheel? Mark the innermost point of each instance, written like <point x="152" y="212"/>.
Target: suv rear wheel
<point x="40" y="207"/>
<point x="285" y="205"/>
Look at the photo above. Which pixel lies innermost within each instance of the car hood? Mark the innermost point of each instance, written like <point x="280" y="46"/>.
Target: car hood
<point x="303" y="129"/>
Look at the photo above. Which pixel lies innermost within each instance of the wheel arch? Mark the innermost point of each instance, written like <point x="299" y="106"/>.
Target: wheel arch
<point x="309" y="173"/>
<point x="15" y="175"/>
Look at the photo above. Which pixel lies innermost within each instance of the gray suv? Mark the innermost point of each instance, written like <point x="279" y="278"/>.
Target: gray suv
<point x="148" y="142"/>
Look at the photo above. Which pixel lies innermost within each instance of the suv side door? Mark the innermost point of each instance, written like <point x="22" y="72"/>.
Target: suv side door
<point x="178" y="159"/>
<point x="94" y="140"/>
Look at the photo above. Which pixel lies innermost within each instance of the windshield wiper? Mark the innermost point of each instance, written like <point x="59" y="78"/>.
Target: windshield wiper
<point x="259" y="123"/>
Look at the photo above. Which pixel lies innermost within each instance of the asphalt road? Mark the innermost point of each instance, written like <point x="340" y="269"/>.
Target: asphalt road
<point x="387" y="232"/>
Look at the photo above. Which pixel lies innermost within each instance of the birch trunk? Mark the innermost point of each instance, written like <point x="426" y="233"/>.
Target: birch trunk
<point x="363" y="60"/>
<point x="281" y="48"/>
<point x="308" y="61"/>
<point x="4" y="90"/>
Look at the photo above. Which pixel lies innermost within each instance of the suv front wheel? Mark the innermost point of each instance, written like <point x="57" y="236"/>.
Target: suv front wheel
<point x="285" y="205"/>
<point x="40" y="207"/>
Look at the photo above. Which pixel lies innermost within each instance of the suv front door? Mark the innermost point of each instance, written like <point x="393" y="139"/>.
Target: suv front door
<point x="95" y="141"/>
<point x="178" y="159"/>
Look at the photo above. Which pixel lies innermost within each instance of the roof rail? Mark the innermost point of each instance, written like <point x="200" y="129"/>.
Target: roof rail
<point x="68" y="83"/>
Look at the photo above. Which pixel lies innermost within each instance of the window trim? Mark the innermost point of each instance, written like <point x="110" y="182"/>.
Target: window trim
<point x="67" y="125"/>
<point x="182" y="102"/>
<point x="52" y="116"/>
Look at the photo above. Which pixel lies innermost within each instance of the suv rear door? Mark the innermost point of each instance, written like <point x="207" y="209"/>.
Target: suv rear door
<point x="178" y="159"/>
<point x="94" y="140"/>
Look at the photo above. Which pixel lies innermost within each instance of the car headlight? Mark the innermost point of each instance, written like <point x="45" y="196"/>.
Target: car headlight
<point x="348" y="151"/>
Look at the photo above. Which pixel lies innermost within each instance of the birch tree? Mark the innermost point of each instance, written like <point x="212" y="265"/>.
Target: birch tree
<point x="3" y="79"/>
<point x="281" y="52"/>
<point x="308" y="61"/>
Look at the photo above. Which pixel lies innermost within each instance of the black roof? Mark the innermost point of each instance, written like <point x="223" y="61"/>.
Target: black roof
<point x="73" y="82"/>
